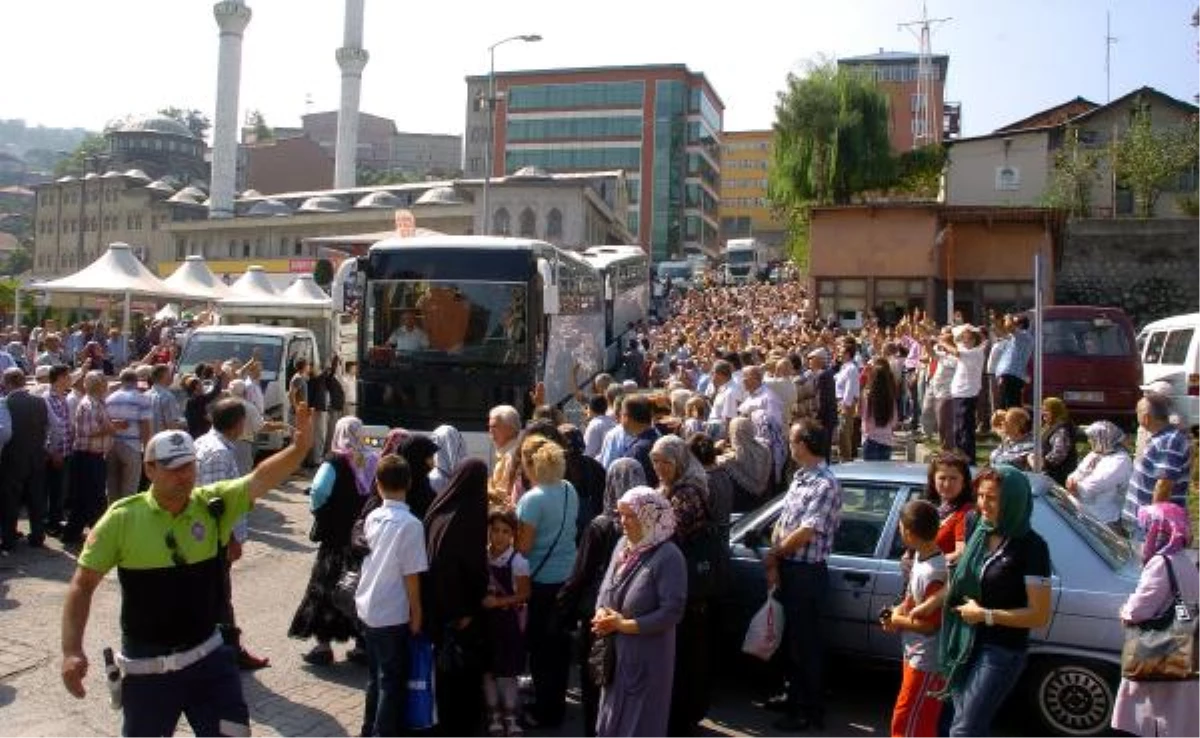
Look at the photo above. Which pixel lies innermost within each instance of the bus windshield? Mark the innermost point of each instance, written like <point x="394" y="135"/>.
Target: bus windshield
<point x="446" y="321"/>
<point x="740" y="257"/>
<point x="215" y="348"/>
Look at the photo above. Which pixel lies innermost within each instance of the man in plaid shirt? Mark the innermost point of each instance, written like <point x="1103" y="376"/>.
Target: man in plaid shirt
<point x="94" y="433"/>
<point x="164" y="407"/>
<point x="216" y="461"/>
<point x="800" y="545"/>
<point x="60" y="438"/>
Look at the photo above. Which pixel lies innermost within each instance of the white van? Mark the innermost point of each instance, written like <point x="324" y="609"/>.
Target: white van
<point x="1170" y="353"/>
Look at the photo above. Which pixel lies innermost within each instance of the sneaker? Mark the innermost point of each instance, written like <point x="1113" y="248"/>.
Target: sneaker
<point x="319" y="656"/>
<point x="512" y="726"/>
<point x="495" y="728"/>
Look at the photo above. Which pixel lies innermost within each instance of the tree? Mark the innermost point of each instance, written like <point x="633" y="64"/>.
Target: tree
<point x="1073" y="176"/>
<point x="323" y="273"/>
<point x="195" y="120"/>
<point x="1147" y="159"/>
<point x="80" y="160"/>
<point x="19" y="261"/>
<point x="262" y="131"/>
<point x="368" y="177"/>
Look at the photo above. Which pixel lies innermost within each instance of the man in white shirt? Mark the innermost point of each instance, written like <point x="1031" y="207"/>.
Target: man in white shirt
<point x="727" y="395"/>
<point x="408" y="336"/>
<point x="759" y="397"/>
<point x="782" y="382"/>
<point x="388" y="600"/>
<point x="846" y="388"/>
<point x="599" y="423"/>
<point x="966" y="347"/>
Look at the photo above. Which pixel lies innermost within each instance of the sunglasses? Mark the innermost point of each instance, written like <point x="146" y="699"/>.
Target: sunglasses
<point x="176" y="557"/>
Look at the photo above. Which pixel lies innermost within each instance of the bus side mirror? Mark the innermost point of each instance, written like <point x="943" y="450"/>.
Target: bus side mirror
<point x="549" y="287"/>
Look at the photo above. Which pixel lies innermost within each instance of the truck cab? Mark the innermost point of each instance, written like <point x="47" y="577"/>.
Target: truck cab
<point x="746" y="260"/>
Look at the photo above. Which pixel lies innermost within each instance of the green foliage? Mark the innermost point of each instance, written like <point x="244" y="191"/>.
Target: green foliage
<point x="323" y="273"/>
<point x="368" y="177"/>
<point x="80" y="160"/>
<point x="1146" y="160"/>
<point x="195" y="120"/>
<point x="1189" y="205"/>
<point x="19" y="261"/>
<point x="919" y="172"/>
<point x="1072" y="178"/>
<point x="262" y="131"/>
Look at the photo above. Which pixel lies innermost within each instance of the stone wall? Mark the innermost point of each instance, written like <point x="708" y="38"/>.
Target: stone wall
<point x="1148" y="268"/>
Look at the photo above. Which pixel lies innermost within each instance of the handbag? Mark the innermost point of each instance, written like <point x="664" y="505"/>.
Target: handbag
<point x="1162" y="648"/>
<point x="421" y="708"/>
<point x="602" y="657"/>
<point x="344" y="592"/>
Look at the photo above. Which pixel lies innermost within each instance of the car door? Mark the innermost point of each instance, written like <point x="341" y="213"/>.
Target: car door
<point x="869" y="509"/>
<point x="889" y="582"/>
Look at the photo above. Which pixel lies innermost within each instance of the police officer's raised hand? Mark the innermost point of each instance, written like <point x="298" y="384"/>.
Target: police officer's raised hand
<point x="303" y="422"/>
<point x="74" y="669"/>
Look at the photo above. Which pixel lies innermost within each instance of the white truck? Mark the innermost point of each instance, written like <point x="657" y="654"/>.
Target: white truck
<point x="747" y="260"/>
<point x="277" y="348"/>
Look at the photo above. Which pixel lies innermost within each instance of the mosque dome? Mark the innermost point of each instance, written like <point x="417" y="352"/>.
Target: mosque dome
<point x="268" y="208"/>
<point x="530" y="172"/>
<point x="155" y="124"/>
<point x="322" y="204"/>
<point x="381" y="199"/>
<point x="440" y="196"/>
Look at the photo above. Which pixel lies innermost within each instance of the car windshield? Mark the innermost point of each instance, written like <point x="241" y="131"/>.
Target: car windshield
<point x="216" y="348"/>
<point x="1111" y="546"/>
<point x="675" y="271"/>
<point x="1084" y="337"/>
<point x="741" y="257"/>
<point x="447" y="321"/>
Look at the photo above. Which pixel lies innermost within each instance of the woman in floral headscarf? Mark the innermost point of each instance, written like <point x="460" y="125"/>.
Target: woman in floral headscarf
<point x="1160" y="708"/>
<point x="340" y="487"/>
<point x="1101" y="479"/>
<point x="641" y="601"/>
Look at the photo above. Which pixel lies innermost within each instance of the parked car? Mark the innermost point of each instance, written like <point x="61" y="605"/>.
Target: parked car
<point x="1170" y="352"/>
<point x="1073" y="669"/>
<point x="1090" y="361"/>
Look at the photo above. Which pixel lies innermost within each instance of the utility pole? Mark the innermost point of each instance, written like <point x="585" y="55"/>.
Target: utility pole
<point x="924" y="132"/>
<point x="1109" y="40"/>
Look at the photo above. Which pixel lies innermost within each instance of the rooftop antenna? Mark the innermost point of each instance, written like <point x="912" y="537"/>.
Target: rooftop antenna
<point x="925" y="132"/>
<point x="1109" y="40"/>
<point x="308" y="103"/>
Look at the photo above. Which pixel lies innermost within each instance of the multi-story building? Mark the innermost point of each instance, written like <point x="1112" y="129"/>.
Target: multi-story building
<point x="745" y="212"/>
<point x="898" y="74"/>
<point x="661" y="124"/>
<point x="383" y="149"/>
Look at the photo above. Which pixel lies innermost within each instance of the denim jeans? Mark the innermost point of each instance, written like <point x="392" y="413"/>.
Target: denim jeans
<point x="990" y="674"/>
<point x="387" y="680"/>
<point x="875" y="451"/>
<point x="802" y="592"/>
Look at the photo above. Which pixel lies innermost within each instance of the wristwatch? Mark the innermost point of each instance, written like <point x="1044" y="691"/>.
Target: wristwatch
<point x="988" y="619"/>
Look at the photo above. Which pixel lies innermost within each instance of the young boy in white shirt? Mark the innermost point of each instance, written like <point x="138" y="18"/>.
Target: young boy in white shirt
<point x="388" y="599"/>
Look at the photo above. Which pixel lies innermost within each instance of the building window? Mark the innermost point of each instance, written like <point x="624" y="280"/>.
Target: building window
<point x="528" y="224"/>
<point x="232" y="248"/>
<point x="554" y="230"/>
<point x="246" y="249"/>
<point x="1008" y="178"/>
<point x="501" y="222"/>
<point x="297" y="247"/>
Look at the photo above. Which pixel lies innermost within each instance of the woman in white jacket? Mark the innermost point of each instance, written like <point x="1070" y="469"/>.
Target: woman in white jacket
<point x="1100" y="480"/>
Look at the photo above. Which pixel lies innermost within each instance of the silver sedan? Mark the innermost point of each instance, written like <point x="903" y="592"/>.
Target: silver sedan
<point x="1074" y="663"/>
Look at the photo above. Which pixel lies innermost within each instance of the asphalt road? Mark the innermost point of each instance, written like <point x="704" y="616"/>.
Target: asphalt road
<point x="291" y="697"/>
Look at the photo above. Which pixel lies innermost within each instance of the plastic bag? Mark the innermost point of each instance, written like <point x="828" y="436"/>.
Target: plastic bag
<point x="422" y="708"/>
<point x="766" y="629"/>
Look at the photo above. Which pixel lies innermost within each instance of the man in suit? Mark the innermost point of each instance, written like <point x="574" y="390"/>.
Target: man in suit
<point x="24" y="463"/>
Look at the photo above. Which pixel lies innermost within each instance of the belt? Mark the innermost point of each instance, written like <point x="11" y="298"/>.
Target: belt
<point x="171" y="662"/>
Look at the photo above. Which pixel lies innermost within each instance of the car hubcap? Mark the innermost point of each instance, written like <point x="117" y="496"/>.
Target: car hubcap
<point x="1076" y="699"/>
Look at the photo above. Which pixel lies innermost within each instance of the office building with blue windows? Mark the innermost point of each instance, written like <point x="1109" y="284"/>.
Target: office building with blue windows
<point x="661" y="124"/>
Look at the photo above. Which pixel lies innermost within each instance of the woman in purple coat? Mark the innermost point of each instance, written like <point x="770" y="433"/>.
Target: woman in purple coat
<point x="641" y="601"/>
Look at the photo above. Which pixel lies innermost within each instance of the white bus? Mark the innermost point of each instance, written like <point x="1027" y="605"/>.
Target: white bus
<point x="625" y="271"/>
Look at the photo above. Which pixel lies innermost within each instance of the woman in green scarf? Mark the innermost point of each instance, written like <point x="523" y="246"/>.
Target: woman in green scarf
<point x="999" y="591"/>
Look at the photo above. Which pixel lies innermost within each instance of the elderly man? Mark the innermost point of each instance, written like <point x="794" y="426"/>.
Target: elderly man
<point x="60" y="437"/>
<point x="124" y="467"/>
<point x="94" y="432"/>
<point x="164" y="406"/>
<point x="23" y="461"/>
<point x="504" y="423"/>
<point x="176" y="655"/>
<point x="1162" y="472"/>
<point x="759" y="397"/>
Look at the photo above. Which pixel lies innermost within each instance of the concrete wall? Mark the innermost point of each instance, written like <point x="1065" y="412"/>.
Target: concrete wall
<point x="288" y="165"/>
<point x="971" y="170"/>
<point x="880" y="242"/>
<point x="1149" y="268"/>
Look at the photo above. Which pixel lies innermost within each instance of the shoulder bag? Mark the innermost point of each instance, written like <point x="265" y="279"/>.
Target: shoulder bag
<point x="1162" y="648"/>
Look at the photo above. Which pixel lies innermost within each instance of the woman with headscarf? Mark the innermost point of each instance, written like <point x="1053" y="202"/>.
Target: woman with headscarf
<point x="748" y="463"/>
<point x="1100" y="481"/>
<point x="998" y="592"/>
<point x="683" y="481"/>
<point x="577" y="598"/>
<point x="452" y="595"/>
<point x="419" y="451"/>
<point x="1166" y="707"/>
<point x="339" y="489"/>
<point x="1058" y="441"/>
<point x="641" y="602"/>
<point x="451" y="450"/>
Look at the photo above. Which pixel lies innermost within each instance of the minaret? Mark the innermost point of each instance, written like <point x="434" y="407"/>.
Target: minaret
<point x="352" y="57"/>
<point x="232" y="17"/>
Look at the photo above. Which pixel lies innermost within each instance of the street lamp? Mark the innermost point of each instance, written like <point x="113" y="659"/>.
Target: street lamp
<point x="491" y="122"/>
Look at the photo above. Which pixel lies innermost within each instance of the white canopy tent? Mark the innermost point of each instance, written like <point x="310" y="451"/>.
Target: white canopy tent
<point x="117" y="272"/>
<point x="193" y="277"/>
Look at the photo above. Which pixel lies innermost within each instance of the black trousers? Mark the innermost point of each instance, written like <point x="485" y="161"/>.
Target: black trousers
<point x="23" y="485"/>
<point x="802" y="592"/>
<point x="964" y="426"/>
<point x="56" y="491"/>
<point x="549" y="647"/>
<point x="86" y="489"/>
<point x="1010" y="391"/>
<point x="690" y="688"/>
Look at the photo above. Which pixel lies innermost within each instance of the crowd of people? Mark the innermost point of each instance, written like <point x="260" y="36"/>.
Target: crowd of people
<point x="589" y="545"/>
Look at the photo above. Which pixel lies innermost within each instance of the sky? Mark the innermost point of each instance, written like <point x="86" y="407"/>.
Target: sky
<point x="84" y="62"/>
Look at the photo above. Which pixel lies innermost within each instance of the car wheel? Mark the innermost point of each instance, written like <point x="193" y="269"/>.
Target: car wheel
<point x="1072" y="696"/>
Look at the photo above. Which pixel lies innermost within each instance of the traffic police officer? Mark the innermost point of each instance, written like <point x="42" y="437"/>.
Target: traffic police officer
<point x="167" y="544"/>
